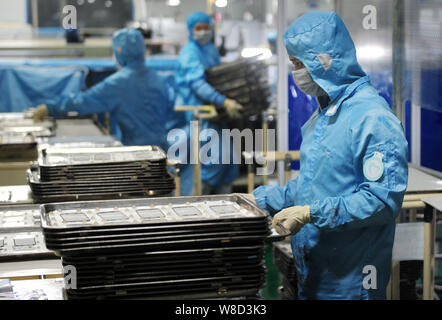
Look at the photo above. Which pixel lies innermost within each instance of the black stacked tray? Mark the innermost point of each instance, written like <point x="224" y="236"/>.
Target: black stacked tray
<point x="283" y="258"/>
<point x="184" y="247"/>
<point x="100" y="173"/>
<point x="21" y="237"/>
<point x="245" y="81"/>
<point x="169" y="272"/>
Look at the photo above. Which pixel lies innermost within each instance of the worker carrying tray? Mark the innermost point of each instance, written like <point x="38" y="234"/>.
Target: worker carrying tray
<point x="245" y="81"/>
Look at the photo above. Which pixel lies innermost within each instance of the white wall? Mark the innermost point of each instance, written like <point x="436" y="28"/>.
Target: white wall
<point x="13" y="20"/>
<point x="13" y="11"/>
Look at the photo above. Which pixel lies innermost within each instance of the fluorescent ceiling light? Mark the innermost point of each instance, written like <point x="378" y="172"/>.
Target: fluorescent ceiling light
<point x="264" y="53"/>
<point x="370" y="52"/>
<point x="173" y="3"/>
<point x="221" y="3"/>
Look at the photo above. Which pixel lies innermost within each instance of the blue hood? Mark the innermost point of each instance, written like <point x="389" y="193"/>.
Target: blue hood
<point x="128" y="47"/>
<point x="320" y="40"/>
<point x="194" y="19"/>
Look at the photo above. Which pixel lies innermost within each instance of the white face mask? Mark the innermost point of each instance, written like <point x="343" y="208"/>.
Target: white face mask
<point x="202" y="37"/>
<point x="115" y="60"/>
<point x="305" y="82"/>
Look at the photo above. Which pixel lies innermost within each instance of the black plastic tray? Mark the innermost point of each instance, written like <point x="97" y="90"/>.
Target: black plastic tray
<point x="215" y="252"/>
<point x="176" y="210"/>
<point x="144" y="263"/>
<point x="170" y="227"/>
<point x="101" y="196"/>
<point x="92" y="157"/>
<point x="146" y="238"/>
<point x="103" y="279"/>
<point x="166" y="266"/>
<point x="183" y="244"/>
<point x="195" y="292"/>
<point x="170" y="284"/>
<point x="55" y="238"/>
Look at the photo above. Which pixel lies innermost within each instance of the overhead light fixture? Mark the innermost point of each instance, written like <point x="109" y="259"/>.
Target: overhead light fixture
<point x="263" y="53"/>
<point x="221" y="3"/>
<point x="370" y="52"/>
<point x="173" y="3"/>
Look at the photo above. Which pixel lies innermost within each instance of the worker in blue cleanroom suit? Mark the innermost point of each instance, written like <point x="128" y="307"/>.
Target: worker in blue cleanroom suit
<point x="342" y="208"/>
<point x="198" y="55"/>
<point x="135" y="95"/>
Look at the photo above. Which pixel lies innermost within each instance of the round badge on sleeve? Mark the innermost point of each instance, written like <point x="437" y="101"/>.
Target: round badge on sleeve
<point x="373" y="167"/>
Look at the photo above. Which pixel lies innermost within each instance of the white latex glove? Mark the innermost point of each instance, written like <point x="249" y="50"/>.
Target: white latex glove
<point x="233" y="108"/>
<point x="291" y="219"/>
<point x="41" y="112"/>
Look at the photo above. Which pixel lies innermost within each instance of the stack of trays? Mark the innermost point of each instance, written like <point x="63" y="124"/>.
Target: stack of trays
<point x="21" y="237"/>
<point x="17" y="147"/>
<point x="100" y="173"/>
<point x="285" y="263"/>
<point x="245" y="81"/>
<point x="183" y="247"/>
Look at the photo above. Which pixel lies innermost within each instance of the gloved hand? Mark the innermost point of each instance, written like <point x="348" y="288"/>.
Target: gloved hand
<point x="292" y="219"/>
<point x="233" y="108"/>
<point x="41" y="112"/>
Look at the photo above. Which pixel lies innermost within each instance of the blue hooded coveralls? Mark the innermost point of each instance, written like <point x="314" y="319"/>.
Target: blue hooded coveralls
<point x="194" y="60"/>
<point x="352" y="218"/>
<point x="135" y="95"/>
